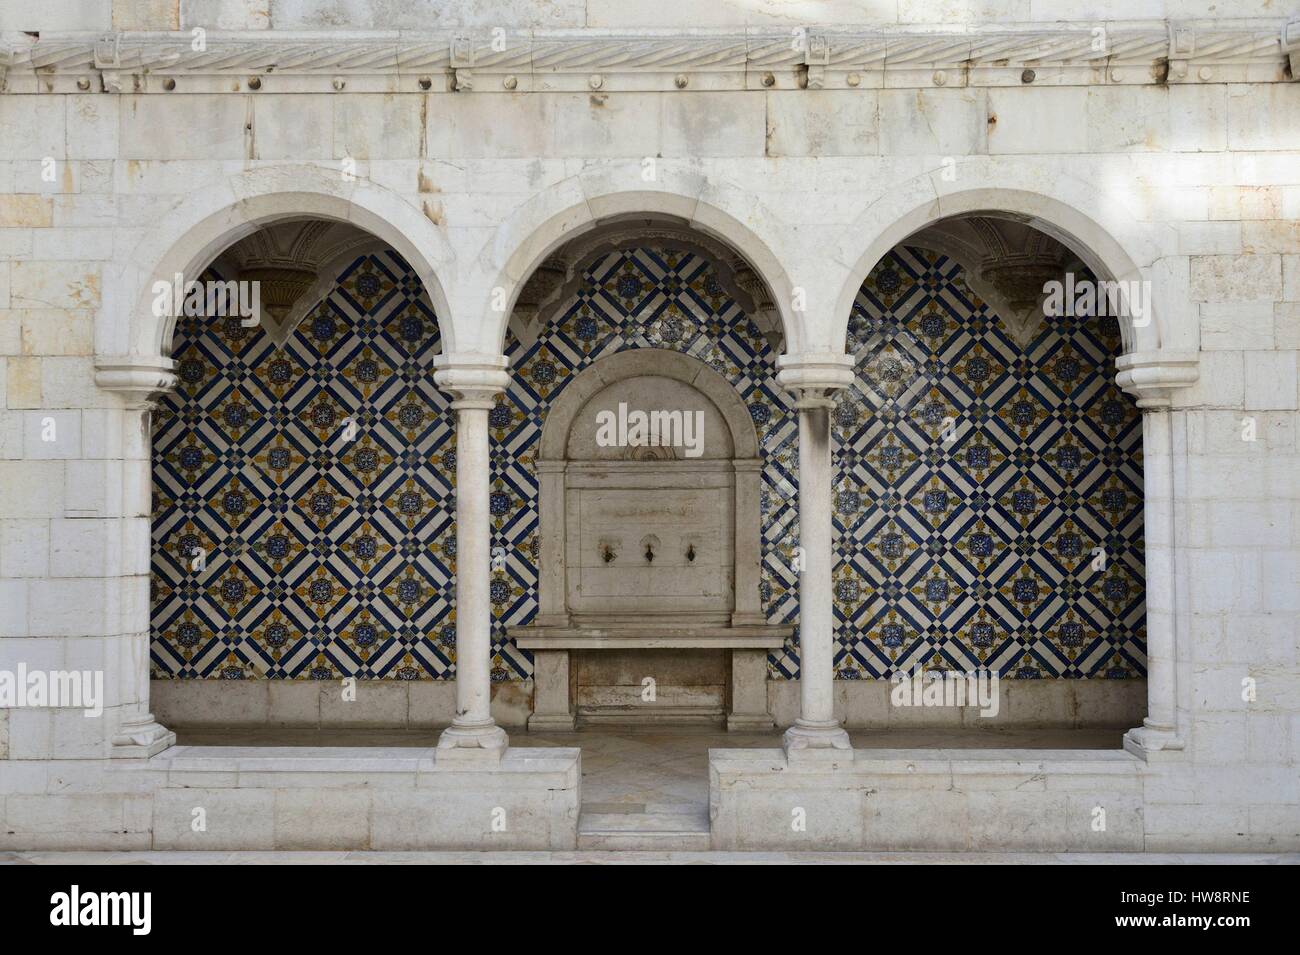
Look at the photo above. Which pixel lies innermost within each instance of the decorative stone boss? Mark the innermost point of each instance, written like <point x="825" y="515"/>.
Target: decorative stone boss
<point x="649" y="605"/>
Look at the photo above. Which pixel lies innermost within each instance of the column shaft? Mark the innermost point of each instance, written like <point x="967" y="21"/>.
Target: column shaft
<point x="816" y="727"/>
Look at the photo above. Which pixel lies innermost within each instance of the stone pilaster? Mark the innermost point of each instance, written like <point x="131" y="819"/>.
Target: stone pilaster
<point x="139" y="382"/>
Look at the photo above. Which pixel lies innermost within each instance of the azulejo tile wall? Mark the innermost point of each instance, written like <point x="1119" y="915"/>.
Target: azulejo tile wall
<point x="318" y="479"/>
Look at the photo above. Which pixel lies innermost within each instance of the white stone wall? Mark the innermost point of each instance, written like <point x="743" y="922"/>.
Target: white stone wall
<point x="1194" y="186"/>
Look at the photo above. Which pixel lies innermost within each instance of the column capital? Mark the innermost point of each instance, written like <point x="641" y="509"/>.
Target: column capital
<point x="1152" y="376"/>
<point x="473" y="380"/>
<point x="139" y="379"/>
<point x="814" y="376"/>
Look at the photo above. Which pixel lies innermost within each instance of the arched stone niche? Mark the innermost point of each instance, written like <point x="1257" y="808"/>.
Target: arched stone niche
<point x="649" y="548"/>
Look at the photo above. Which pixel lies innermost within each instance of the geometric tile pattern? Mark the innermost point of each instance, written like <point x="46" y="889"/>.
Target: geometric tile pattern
<point x="313" y="477"/>
<point x="975" y="481"/>
<point x="319" y="478"/>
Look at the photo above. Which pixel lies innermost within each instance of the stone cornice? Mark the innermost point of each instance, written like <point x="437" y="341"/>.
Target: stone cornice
<point x="589" y="60"/>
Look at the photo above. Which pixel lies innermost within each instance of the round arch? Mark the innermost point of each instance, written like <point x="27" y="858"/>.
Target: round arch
<point x="635" y="362"/>
<point x="552" y="218"/>
<point x="1080" y="233"/>
<point x="193" y="235"/>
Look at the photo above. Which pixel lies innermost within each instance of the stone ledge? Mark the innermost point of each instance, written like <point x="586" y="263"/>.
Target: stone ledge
<point x="1137" y="52"/>
<point x="927" y="799"/>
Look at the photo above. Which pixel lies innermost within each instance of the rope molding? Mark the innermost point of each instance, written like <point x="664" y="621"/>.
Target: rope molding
<point x="279" y="61"/>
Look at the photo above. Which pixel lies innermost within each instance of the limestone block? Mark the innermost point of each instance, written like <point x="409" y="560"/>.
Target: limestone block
<point x="1029" y="119"/>
<point x="1270" y="380"/>
<point x="377" y="703"/>
<point x="1198" y="118"/>
<point x="905" y="820"/>
<point x="69" y="285"/>
<point x="24" y="548"/>
<point x="321" y="819"/>
<point x="299" y="127"/>
<point x="7" y="323"/>
<point x="26" y="212"/>
<point x="1221" y="383"/>
<point x="75" y="821"/>
<point x="377" y="125"/>
<point x="92" y="126"/>
<point x="714" y="124"/>
<point x="95" y="176"/>
<point x="92" y="489"/>
<point x="1286" y="324"/>
<point x="1209" y="238"/>
<point x="1249" y="524"/>
<point x="289" y="702"/>
<point x="1245" y="202"/>
<point x="33" y="489"/>
<point x="68" y="381"/>
<point x="1268" y="738"/>
<point x="1280" y="580"/>
<point x="1219" y="737"/>
<point x="1223" y="581"/>
<point x="32" y="127"/>
<point x="230" y="818"/>
<point x="13" y="607"/>
<point x="70" y="244"/>
<point x="1175" y="827"/>
<point x="1127" y="118"/>
<point x="146" y="14"/>
<point x="226" y="14"/>
<point x="51" y="331"/>
<point x="1270" y="236"/>
<point x="1291" y="277"/>
<point x="516" y="127"/>
<point x="82" y="547"/>
<point x="1263" y="117"/>
<point x="69" y="607"/>
<point x="11" y="428"/>
<point x="1236" y="278"/>
<point x="23" y="382"/>
<point x="626" y="124"/>
<point x="933" y="123"/>
<point x="1229" y="325"/>
<point x="211" y="126"/>
<point x="822" y="123"/>
<point x="426" y="819"/>
<point x="49" y="434"/>
<point x="101" y="435"/>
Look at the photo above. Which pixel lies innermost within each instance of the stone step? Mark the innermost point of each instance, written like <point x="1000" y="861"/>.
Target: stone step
<point x="677" y="830"/>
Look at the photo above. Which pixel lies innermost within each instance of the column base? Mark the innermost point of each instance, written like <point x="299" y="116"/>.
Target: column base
<point x="749" y="722"/>
<point x="141" y="737"/>
<point x="551" y="723"/>
<point x="473" y="741"/>
<point x="1142" y="741"/>
<point x="807" y="740"/>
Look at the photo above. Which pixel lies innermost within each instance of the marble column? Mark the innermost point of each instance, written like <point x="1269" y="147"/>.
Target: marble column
<point x="816" y="731"/>
<point x="1152" y="377"/>
<point x="474" y="385"/>
<point x="1159" y="729"/>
